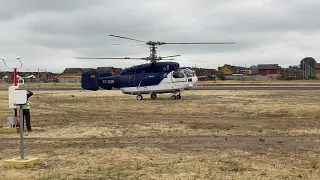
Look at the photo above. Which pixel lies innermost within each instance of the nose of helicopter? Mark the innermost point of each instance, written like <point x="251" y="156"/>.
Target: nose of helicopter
<point x="195" y="80"/>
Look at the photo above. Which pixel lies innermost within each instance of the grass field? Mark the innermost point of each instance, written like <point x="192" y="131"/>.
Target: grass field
<point x="204" y="135"/>
<point x="201" y="83"/>
<point x="261" y="83"/>
<point x="45" y="85"/>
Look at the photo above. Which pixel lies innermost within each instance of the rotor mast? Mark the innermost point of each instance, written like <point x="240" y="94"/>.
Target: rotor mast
<point x="153" y="57"/>
<point x="153" y="52"/>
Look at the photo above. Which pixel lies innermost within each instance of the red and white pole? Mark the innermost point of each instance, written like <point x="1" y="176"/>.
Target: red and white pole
<point x="15" y="75"/>
<point x="15" y="83"/>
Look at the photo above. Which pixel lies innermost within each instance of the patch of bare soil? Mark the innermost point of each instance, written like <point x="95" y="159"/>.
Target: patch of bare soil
<point x="190" y="144"/>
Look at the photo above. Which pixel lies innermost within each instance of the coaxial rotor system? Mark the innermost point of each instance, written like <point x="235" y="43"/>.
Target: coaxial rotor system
<point x="153" y="58"/>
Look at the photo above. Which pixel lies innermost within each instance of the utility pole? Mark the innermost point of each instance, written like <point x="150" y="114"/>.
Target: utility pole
<point x="38" y="79"/>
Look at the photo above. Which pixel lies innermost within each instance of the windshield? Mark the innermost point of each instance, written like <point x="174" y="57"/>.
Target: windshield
<point x="188" y="73"/>
<point x="178" y="74"/>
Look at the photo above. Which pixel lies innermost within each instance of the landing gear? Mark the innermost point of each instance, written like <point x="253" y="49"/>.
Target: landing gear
<point x="139" y="97"/>
<point x="176" y="96"/>
<point x="153" y="95"/>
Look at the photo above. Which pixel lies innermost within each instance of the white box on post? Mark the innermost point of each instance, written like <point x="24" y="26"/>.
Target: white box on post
<point x="20" y="97"/>
<point x="11" y="97"/>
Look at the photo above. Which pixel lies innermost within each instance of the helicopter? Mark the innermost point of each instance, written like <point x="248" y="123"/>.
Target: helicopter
<point x="151" y="78"/>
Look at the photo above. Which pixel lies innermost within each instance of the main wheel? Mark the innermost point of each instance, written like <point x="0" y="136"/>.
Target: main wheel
<point x="178" y="96"/>
<point x="153" y="96"/>
<point x="173" y="97"/>
<point x="139" y="97"/>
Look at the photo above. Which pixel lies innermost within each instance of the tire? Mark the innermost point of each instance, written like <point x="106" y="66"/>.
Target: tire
<point x="139" y="97"/>
<point x="178" y="96"/>
<point x="153" y="96"/>
<point x="173" y="97"/>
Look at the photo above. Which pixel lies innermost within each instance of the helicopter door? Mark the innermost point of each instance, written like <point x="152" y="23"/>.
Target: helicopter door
<point x="132" y="80"/>
<point x="178" y="76"/>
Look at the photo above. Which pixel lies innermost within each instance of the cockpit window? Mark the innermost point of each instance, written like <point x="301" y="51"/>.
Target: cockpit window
<point x="188" y="73"/>
<point x="178" y="74"/>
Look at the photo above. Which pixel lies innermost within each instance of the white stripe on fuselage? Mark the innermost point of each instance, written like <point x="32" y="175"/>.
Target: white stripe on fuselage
<point x="166" y="85"/>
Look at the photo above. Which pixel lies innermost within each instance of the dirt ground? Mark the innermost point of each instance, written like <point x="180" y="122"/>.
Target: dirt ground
<point x="204" y="135"/>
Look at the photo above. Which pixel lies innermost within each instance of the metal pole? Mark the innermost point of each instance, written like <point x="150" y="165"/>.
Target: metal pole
<point x="304" y="70"/>
<point x="21" y="134"/>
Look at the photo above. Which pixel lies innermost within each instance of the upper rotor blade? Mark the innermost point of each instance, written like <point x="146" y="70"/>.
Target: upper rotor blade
<point x="127" y="38"/>
<point x="109" y="58"/>
<point x="128" y="44"/>
<point x="204" y="43"/>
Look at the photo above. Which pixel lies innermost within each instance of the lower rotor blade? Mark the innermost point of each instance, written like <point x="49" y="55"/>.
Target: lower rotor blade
<point x="166" y="59"/>
<point x="170" y="56"/>
<point x="109" y="58"/>
<point x="205" y="43"/>
<point x="185" y="60"/>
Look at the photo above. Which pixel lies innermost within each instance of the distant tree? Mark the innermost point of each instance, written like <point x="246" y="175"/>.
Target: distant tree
<point x="295" y="68"/>
<point x="221" y="76"/>
<point x="308" y="60"/>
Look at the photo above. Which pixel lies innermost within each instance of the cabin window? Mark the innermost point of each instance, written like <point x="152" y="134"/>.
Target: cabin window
<point x="178" y="74"/>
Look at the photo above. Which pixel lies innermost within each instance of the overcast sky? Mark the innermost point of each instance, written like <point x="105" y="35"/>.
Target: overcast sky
<point x="50" y="34"/>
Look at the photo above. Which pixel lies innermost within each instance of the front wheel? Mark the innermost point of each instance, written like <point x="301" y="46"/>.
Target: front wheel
<point x="139" y="97"/>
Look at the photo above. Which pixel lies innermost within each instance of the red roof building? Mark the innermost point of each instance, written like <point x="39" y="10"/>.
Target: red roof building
<point x="269" y="69"/>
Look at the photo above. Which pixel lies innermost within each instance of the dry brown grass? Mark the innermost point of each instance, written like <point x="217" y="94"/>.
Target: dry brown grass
<point x="206" y="134"/>
<point x="201" y="83"/>
<point x="44" y="85"/>
<point x="153" y="163"/>
<point x="268" y="82"/>
<point x="261" y="83"/>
